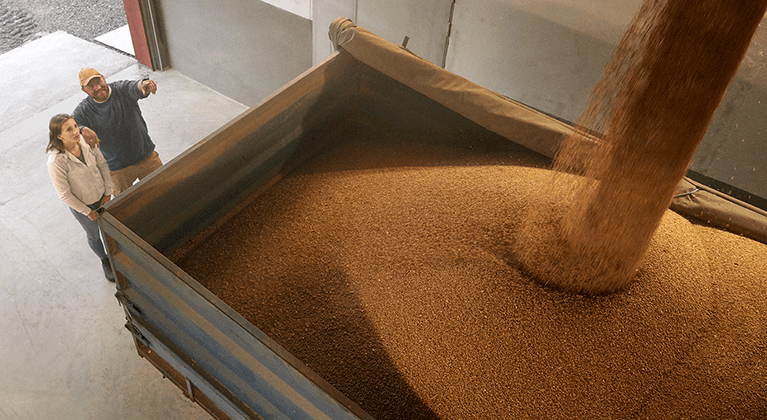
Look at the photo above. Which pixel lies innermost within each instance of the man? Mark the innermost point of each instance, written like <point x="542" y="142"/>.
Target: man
<point x="111" y="119"/>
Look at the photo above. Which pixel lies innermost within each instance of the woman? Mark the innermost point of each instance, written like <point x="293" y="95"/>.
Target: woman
<point x="81" y="177"/>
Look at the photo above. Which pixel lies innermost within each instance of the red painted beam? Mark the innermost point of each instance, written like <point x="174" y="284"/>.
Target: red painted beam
<point x="137" y="33"/>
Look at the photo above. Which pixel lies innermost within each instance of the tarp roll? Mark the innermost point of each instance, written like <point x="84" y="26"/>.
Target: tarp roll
<point x="720" y="210"/>
<point x="504" y="116"/>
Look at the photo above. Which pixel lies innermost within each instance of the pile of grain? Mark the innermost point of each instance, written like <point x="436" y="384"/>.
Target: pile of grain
<point x="407" y="282"/>
<point x="393" y="279"/>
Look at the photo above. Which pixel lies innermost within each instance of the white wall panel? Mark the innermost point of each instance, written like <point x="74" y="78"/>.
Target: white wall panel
<point x="301" y="8"/>
<point x="244" y="49"/>
<point x="524" y="54"/>
<point x="425" y="22"/>
<point x="323" y="13"/>
<point x="605" y="20"/>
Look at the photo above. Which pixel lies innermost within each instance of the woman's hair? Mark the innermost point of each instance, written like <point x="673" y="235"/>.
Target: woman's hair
<point x="54" y="130"/>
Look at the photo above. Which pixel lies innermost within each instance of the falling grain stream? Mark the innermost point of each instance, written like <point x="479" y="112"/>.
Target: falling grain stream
<point x="653" y="106"/>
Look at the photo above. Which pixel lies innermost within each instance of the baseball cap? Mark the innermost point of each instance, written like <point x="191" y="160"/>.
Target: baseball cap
<point x="86" y="74"/>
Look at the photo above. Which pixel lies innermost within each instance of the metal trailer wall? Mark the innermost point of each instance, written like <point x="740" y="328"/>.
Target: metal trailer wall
<point x="209" y="351"/>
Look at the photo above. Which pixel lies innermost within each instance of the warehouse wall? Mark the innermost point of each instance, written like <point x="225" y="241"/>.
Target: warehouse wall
<point x="244" y="49"/>
<point x="527" y="57"/>
<point x="548" y="55"/>
<point x="424" y="22"/>
<point x="323" y="13"/>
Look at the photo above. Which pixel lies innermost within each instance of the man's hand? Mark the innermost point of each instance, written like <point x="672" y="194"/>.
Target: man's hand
<point x="90" y="137"/>
<point x="105" y="199"/>
<point x="147" y="86"/>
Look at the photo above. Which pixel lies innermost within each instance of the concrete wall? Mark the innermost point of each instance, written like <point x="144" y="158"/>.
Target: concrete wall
<point x="301" y="8"/>
<point x="527" y="57"/>
<point x="323" y="13"/>
<point x="244" y="49"/>
<point x="424" y="22"/>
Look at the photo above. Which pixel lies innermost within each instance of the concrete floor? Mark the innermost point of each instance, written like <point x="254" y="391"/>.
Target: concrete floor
<point x="65" y="353"/>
